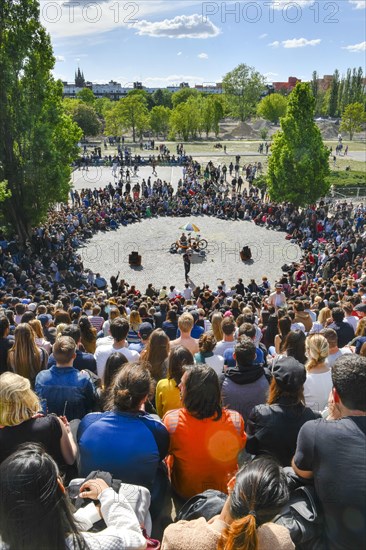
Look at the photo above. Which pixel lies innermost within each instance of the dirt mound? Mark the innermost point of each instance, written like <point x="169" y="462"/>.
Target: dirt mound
<point x="328" y="129"/>
<point x="241" y="130"/>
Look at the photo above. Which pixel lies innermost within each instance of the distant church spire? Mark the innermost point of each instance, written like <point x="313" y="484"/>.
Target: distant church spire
<point x="79" y="79"/>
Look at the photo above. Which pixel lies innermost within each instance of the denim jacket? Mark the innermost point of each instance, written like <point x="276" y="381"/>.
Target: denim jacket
<point x="65" y="391"/>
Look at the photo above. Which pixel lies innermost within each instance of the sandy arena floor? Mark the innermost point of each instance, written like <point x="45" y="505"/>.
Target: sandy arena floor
<point x="107" y="253"/>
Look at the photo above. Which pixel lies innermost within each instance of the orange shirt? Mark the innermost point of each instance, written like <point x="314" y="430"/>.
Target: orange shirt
<point x="203" y="453"/>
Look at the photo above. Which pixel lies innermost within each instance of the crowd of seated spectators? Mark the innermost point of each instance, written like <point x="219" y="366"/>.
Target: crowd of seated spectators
<point x="183" y="390"/>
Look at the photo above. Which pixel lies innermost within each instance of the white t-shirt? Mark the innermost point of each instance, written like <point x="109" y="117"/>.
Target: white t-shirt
<point x="222" y="346"/>
<point x="352" y="320"/>
<point x="216" y="362"/>
<point x="317" y="388"/>
<point x="103" y="352"/>
<point x="332" y="357"/>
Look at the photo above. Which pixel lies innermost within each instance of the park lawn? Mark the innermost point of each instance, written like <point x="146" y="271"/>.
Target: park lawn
<point x="348" y="178"/>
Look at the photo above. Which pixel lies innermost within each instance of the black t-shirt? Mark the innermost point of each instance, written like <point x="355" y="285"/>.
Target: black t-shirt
<point x="5" y="345"/>
<point x="335" y="451"/>
<point x="45" y="430"/>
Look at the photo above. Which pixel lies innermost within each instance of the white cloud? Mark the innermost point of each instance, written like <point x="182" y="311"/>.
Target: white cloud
<point x="80" y="18"/>
<point x="182" y="26"/>
<point x="358" y="4"/>
<point x="295" y="43"/>
<point x="300" y="42"/>
<point x="269" y="76"/>
<point x="59" y="58"/>
<point x="282" y="4"/>
<point x="179" y="53"/>
<point x="355" y="48"/>
<point x="202" y="56"/>
<point x="264" y="35"/>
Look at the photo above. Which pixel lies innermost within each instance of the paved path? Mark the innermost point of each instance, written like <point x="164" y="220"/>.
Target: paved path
<point x="102" y="175"/>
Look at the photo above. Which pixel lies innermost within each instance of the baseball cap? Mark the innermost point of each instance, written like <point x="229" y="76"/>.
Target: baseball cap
<point x="289" y="374"/>
<point x="228" y="314"/>
<point x="43" y="318"/>
<point x="145" y="329"/>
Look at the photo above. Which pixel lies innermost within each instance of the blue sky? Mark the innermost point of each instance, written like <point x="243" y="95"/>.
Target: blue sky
<point x="163" y="42"/>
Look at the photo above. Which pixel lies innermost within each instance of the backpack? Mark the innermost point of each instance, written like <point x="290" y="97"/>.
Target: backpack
<point x="303" y="519"/>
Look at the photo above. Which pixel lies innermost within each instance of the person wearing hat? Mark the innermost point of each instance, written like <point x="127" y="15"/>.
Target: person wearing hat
<point x="272" y="428"/>
<point x="144" y="331"/>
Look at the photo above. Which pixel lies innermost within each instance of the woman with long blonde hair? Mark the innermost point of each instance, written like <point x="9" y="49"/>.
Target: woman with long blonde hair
<point x="318" y="382"/>
<point x="25" y="357"/>
<point x="39" y="335"/>
<point x="216" y="326"/>
<point x="324" y="314"/>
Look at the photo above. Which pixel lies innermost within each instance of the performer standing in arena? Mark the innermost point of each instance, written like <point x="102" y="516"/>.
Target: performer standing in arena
<point x="187" y="264"/>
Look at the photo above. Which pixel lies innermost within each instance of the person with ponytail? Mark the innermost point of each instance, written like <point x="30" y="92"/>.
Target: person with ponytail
<point x="318" y="382"/>
<point x="256" y="496"/>
<point x="125" y="440"/>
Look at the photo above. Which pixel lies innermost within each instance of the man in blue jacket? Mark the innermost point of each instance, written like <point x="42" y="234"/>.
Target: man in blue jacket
<point x="65" y="390"/>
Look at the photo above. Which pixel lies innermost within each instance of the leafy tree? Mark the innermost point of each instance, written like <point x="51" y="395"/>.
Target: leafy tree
<point x="86" y="117"/>
<point x="147" y="98"/>
<point x="38" y="140"/>
<point x="185" y="119"/>
<point x="129" y="113"/>
<point x="70" y="105"/>
<point x="217" y="112"/>
<point x="159" y="119"/>
<point x="102" y="105"/>
<point x="334" y="92"/>
<point x="4" y="191"/>
<point x="346" y="98"/>
<point x="357" y="94"/>
<point x="352" y="119"/>
<point x="183" y="95"/>
<point x="315" y="85"/>
<point x="86" y="96"/>
<point x="162" y="98"/>
<point x="243" y="86"/>
<point x="272" y="107"/>
<point x="299" y="164"/>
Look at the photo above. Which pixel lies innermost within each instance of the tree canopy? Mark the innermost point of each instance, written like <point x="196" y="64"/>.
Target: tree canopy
<point x="86" y="96"/>
<point x="38" y="140"/>
<point x="299" y="162"/>
<point x="352" y="118"/>
<point x="129" y="113"/>
<point x="272" y="107"/>
<point x="86" y="117"/>
<point x="243" y="87"/>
